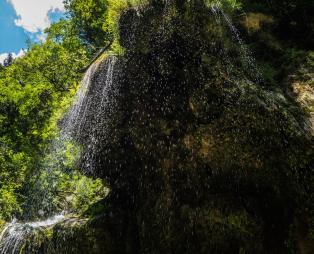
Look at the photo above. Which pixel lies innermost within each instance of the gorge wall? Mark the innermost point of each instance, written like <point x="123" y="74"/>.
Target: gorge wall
<point x="201" y="155"/>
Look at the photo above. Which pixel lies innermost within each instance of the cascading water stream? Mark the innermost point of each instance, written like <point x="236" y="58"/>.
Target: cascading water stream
<point x="89" y="100"/>
<point x="90" y="110"/>
<point x="73" y="119"/>
<point x="89" y="119"/>
<point x="15" y="234"/>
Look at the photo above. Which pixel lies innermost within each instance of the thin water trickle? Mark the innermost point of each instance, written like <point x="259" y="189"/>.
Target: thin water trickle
<point x="247" y="59"/>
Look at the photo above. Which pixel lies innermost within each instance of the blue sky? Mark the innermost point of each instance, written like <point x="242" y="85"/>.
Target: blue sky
<point x="12" y="37"/>
<point x="22" y="20"/>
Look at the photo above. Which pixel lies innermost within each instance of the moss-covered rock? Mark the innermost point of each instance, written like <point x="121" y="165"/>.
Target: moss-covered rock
<point x="73" y="235"/>
<point x="204" y="156"/>
<point x="2" y="224"/>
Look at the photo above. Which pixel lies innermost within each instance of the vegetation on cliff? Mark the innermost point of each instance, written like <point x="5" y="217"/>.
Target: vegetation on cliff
<point x="210" y="150"/>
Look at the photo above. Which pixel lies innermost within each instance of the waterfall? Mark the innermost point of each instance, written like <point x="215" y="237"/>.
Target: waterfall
<point x="90" y="101"/>
<point x="73" y="120"/>
<point x="86" y="122"/>
<point x="14" y="235"/>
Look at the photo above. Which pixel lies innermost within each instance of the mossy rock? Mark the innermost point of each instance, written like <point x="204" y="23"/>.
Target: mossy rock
<point x="2" y="224"/>
<point x="205" y="157"/>
<point x="73" y="235"/>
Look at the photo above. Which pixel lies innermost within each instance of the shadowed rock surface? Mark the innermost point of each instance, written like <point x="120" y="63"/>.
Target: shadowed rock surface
<point x="201" y="156"/>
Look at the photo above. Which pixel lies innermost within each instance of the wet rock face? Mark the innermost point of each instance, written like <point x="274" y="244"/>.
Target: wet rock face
<point x="203" y="159"/>
<point x="72" y="236"/>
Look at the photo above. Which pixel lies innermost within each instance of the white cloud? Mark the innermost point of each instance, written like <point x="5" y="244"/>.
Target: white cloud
<point x="2" y="57"/>
<point x="5" y="55"/>
<point x="33" y="14"/>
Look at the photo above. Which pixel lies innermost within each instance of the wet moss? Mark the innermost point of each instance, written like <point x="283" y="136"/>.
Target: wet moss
<point x="2" y="225"/>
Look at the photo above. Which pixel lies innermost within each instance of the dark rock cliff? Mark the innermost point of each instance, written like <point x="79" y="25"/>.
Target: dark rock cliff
<point x="202" y="156"/>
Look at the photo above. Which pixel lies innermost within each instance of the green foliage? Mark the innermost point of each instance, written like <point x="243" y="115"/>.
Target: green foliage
<point x="239" y="167"/>
<point x="8" y="201"/>
<point x="96" y="22"/>
<point x="2" y="223"/>
<point x="35" y="91"/>
<point x="230" y="5"/>
<point x="57" y="191"/>
<point x="89" y="18"/>
<point x="13" y="167"/>
<point x="31" y="89"/>
<point x="82" y="192"/>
